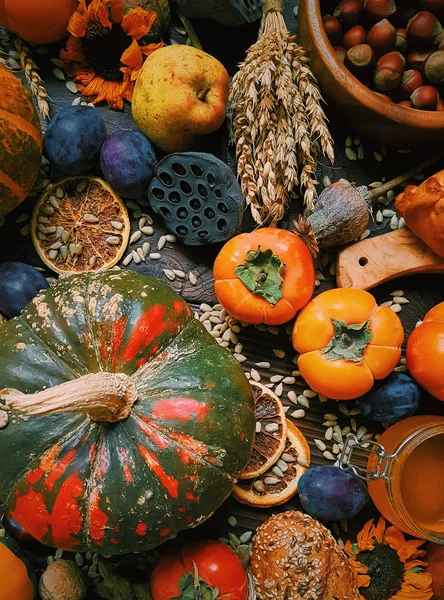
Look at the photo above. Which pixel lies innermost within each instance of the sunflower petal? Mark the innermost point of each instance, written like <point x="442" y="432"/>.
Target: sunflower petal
<point x="77" y="24"/>
<point x="73" y="51"/>
<point x="416" y="586"/>
<point x="147" y="50"/>
<point x="98" y="12"/>
<point x="394" y="538"/>
<point x="132" y="57"/>
<point x="117" y="10"/>
<point x="365" y="537"/>
<point x="138" y="22"/>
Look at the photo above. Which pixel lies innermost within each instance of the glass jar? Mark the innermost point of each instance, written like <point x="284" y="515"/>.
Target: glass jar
<point x="405" y="474"/>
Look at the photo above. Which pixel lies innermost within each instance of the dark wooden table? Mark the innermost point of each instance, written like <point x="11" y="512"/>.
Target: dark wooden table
<point x="423" y="292"/>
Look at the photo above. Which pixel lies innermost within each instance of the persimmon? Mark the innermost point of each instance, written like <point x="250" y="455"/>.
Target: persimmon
<point x="425" y="352"/>
<point x="37" y="21"/>
<point x="265" y="276"/>
<point x="346" y="341"/>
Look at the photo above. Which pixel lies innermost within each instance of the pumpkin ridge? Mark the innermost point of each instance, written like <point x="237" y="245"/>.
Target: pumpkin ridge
<point x="45" y="345"/>
<point x="166" y="432"/>
<point x="88" y="319"/>
<point x="11" y="184"/>
<point x="20" y="123"/>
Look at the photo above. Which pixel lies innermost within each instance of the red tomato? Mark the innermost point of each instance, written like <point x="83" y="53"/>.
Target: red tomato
<point x="217" y="565"/>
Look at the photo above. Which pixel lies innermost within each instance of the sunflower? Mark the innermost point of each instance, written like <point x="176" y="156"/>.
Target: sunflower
<point x="102" y="54"/>
<point x="386" y="566"/>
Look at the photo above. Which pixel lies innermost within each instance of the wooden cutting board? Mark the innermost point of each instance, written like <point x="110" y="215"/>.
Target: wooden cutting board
<point x="376" y="260"/>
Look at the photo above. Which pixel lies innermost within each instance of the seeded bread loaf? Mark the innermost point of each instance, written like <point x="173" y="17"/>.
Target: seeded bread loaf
<point x="296" y="558"/>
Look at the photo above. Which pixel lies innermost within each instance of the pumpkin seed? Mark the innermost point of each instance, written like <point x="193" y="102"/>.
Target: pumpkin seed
<point x="298" y="414"/>
<point x="161" y="242"/>
<point x="336" y="449"/>
<point x="48" y="210"/>
<point x="288" y="458"/>
<point x="337" y="436"/>
<point x="388" y="213"/>
<point x="329" y="423"/>
<point x="59" y="192"/>
<point x="378" y="156"/>
<point x="348" y="141"/>
<point x="350" y="154"/>
<point x="155" y="256"/>
<point x="135" y="237"/>
<point x="232" y="521"/>
<point x="54" y="202"/>
<point x="361" y="152"/>
<point x="41" y="228"/>
<point x="52" y="254"/>
<point x="259" y="486"/>
<point x="81" y="186"/>
<point x="114" y="240"/>
<point x="245" y="537"/>
<point x="89" y="218"/>
<point x="271" y="427"/>
<point x="277" y="471"/>
<point x="22" y="218"/>
<point x="273" y="330"/>
<point x="343" y="409"/>
<point x="271" y="480"/>
<point x="136" y="257"/>
<point x="71" y="86"/>
<point x="64" y="252"/>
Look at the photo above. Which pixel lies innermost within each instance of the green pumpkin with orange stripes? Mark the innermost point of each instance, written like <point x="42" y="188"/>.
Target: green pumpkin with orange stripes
<point x="126" y="422"/>
<point x="20" y="142"/>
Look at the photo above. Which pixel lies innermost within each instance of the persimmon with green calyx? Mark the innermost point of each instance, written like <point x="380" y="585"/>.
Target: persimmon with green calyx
<point x="17" y="575"/>
<point x="265" y="276"/>
<point x="202" y="570"/>
<point x="345" y="341"/>
<point x="127" y="422"/>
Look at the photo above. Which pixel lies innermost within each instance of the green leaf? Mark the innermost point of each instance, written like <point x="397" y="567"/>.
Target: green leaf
<point x="192" y="587"/>
<point x="349" y="342"/>
<point x="262" y="273"/>
<point x="415" y="570"/>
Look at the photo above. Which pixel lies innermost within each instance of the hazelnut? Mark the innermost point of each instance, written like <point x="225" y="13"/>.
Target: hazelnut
<point x="360" y="60"/>
<point x="416" y="58"/>
<point x="411" y="80"/>
<point x="376" y="10"/>
<point x="340" y="52"/>
<point x="423" y="28"/>
<point x="382" y="37"/>
<point x="349" y="13"/>
<point x="433" y="67"/>
<point x="425" y="98"/>
<point x="354" y="36"/>
<point x="388" y="72"/>
<point x="405" y="103"/>
<point x="436" y="7"/>
<point x="333" y="29"/>
<point x="440" y="106"/>
<point x="405" y="10"/>
<point x="401" y="44"/>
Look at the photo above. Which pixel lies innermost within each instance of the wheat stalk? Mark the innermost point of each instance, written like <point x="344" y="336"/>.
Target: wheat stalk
<point x="35" y="82"/>
<point x="278" y="125"/>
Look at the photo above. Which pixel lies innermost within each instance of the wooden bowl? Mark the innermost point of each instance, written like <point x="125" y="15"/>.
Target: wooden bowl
<point x="362" y="109"/>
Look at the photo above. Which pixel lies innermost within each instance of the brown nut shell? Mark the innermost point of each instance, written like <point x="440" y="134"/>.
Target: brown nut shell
<point x="354" y="36"/>
<point x="425" y="98"/>
<point x="333" y="29"/>
<point x="433" y="67"/>
<point x="389" y="71"/>
<point x="349" y="13"/>
<point x="411" y="80"/>
<point x="376" y="10"/>
<point x="423" y="28"/>
<point x="382" y="37"/>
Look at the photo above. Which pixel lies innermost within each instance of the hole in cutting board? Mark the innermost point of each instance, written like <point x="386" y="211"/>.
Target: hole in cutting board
<point x="363" y="261"/>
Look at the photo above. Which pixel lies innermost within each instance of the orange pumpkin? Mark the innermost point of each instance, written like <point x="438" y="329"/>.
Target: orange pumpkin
<point x="425" y="352"/>
<point x="15" y="575"/>
<point x="265" y="276"/>
<point x="37" y="21"/>
<point x="346" y="341"/>
<point x="20" y="142"/>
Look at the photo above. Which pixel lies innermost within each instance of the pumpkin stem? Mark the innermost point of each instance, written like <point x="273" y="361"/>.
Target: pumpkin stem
<point x="105" y="397"/>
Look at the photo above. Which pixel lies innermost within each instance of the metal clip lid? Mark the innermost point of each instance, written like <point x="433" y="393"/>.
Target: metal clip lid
<point x="382" y="466"/>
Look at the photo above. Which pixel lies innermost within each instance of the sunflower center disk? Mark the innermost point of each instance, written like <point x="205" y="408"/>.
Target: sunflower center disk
<point x="385" y="570"/>
<point x="103" y="49"/>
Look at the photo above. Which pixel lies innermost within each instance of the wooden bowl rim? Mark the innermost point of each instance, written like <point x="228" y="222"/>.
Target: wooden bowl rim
<point x="362" y="94"/>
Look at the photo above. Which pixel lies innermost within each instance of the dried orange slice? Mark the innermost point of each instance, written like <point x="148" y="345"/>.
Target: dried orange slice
<point x="271" y="431"/>
<point x="80" y="225"/>
<point x="280" y="483"/>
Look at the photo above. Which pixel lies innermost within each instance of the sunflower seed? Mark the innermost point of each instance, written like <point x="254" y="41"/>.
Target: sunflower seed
<point x="128" y="258"/>
<point x="396" y="308"/>
<point x="292" y="397"/>
<point x="43" y="220"/>
<point x="302" y="461"/>
<point x="278" y="353"/>
<point x="148" y="230"/>
<point x="64" y="252"/>
<point x="255" y="375"/>
<point x="329" y="434"/>
<point x="279" y="389"/>
<point x="192" y="277"/>
<point x="309" y="393"/>
<point x="258" y="426"/>
<point x="329" y="423"/>
<point x="361" y="431"/>
<point x="397" y="293"/>
<point x="348" y="141"/>
<point x="54" y="202"/>
<point x="136" y="257"/>
<point x="330" y="417"/>
<point x="350" y="154"/>
<point x="320" y="444"/>
<point x="117" y="225"/>
<point x="64" y="236"/>
<point x="400" y="300"/>
<point x="51" y="229"/>
<point x="169" y="274"/>
<point x="273" y="330"/>
<point x="59" y="192"/>
<point x="48" y="210"/>
<point x="89" y="218"/>
<point x="282" y="465"/>
<point x="114" y="240"/>
<point x="141" y="254"/>
<point x="258" y="486"/>
<point x="379" y="217"/>
<point x="289" y="380"/>
<point x="52" y="254"/>
<point x="41" y="228"/>
<point x="170" y="238"/>
<point x="276" y="378"/>
<point x="303" y="401"/>
<point x="361" y="152"/>
<point x="271" y="427"/>
<point x="277" y="471"/>
<point x="135" y="237"/>
<point x="378" y="156"/>
<point x="81" y="186"/>
<point x="271" y="480"/>
<point x="179" y="273"/>
<point x="161" y="243"/>
<point x="328" y="455"/>
<point x="401" y="223"/>
<point x="326" y="181"/>
<point x="131" y="205"/>
<point x="146" y="246"/>
<point x="336" y="449"/>
<point x="288" y="458"/>
<point x="388" y="303"/>
<point x="394" y="222"/>
<point x="76" y="101"/>
<point x="240" y="357"/>
<point x="72" y="248"/>
<point x="343" y="409"/>
<point x="298" y="414"/>
<point x="71" y="86"/>
<point x="337" y="436"/>
<point x="388" y="213"/>
<point x="365" y="234"/>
